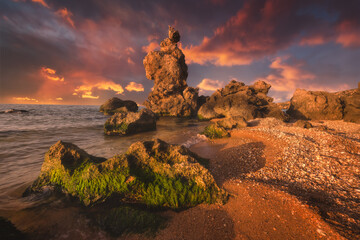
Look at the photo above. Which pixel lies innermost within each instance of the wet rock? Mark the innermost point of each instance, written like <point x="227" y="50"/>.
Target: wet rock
<point x="170" y="96"/>
<point x="237" y="99"/>
<point x="115" y="105"/>
<point x="14" y="111"/>
<point x="152" y="172"/>
<point x="125" y="123"/>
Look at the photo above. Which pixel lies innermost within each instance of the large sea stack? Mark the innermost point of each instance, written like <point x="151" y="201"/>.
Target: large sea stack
<point x="171" y="95"/>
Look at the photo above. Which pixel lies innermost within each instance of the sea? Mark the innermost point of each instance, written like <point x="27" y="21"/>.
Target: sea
<point x="26" y="137"/>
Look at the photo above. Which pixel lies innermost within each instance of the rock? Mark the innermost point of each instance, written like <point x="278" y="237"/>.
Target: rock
<point x="303" y="124"/>
<point x="315" y="105"/>
<point x="170" y="96"/>
<point x="115" y="105"/>
<point x="125" y="123"/>
<point x="237" y="99"/>
<point x="232" y="123"/>
<point x="14" y="111"/>
<point x="351" y="102"/>
<point x="321" y="105"/>
<point x="152" y="172"/>
<point x="215" y="131"/>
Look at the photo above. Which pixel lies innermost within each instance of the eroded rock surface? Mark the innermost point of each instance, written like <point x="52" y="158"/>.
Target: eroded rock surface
<point x="170" y="96"/>
<point x="321" y="105"/>
<point x="152" y="172"/>
<point x="237" y="99"/>
<point x="115" y="105"/>
<point x="125" y="123"/>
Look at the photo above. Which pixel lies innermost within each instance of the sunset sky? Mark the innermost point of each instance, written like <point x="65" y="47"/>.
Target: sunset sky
<point x="86" y="51"/>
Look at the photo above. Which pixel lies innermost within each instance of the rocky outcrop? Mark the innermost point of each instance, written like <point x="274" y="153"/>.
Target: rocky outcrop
<point x="321" y="105"/>
<point x="14" y="111"/>
<point x="232" y="123"/>
<point x="303" y="124"/>
<point x="170" y="96"/>
<point x="237" y="99"/>
<point x="125" y="123"/>
<point x="115" y="105"/>
<point x="152" y="172"/>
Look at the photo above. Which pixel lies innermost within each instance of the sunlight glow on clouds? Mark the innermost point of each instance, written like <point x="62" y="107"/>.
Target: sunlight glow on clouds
<point x="133" y="86"/>
<point x="25" y="99"/>
<point x="209" y="85"/>
<point x="50" y="74"/>
<point x="86" y="91"/>
<point x="66" y="15"/>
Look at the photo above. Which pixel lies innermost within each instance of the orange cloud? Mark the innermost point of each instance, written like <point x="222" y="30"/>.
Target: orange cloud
<point x="209" y="85"/>
<point x="133" y="86"/>
<point x="313" y="40"/>
<point x="42" y="2"/>
<point x="86" y="90"/>
<point x="151" y="47"/>
<point x="66" y="15"/>
<point x="130" y="61"/>
<point x="59" y="99"/>
<point x="349" y="34"/>
<point x="50" y="74"/>
<point x="286" y="78"/>
<point x="25" y="99"/>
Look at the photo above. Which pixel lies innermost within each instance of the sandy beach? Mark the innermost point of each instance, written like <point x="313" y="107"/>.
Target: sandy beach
<point x="285" y="182"/>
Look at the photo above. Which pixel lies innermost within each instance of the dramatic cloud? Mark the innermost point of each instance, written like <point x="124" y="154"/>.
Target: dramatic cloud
<point x="349" y="34"/>
<point x="42" y="2"/>
<point x="133" y="86"/>
<point x="86" y="91"/>
<point x="59" y="99"/>
<point x="50" y="74"/>
<point x="151" y="47"/>
<point x="286" y="77"/>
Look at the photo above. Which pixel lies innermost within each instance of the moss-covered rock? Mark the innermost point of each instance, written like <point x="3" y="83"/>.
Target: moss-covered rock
<point x="153" y="173"/>
<point x="214" y="131"/>
<point x="126" y="123"/>
<point x="116" y="105"/>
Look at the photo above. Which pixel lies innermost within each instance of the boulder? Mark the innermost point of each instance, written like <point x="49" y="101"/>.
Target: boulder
<point x="14" y="111"/>
<point x="321" y="105"/>
<point x="125" y="123"/>
<point x="232" y="122"/>
<point x="115" y="105"/>
<point x="152" y="172"/>
<point x="215" y="131"/>
<point x="170" y="95"/>
<point x="315" y="105"/>
<point x="237" y="99"/>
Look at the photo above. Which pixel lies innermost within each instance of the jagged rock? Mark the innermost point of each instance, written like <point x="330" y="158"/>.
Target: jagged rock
<point x="237" y="99"/>
<point x="125" y="123"/>
<point x="284" y="105"/>
<point x="115" y="105"/>
<point x="152" y="172"/>
<point x="303" y="124"/>
<point x="170" y="96"/>
<point x="351" y="103"/>
<point x="321" y="105"/>
<point x="315" y="105"/>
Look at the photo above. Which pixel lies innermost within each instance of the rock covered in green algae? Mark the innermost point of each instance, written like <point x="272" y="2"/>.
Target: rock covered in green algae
<point x="114" y="105"/>
<point x="125" y="123"/>
<point x="152" y="172"/>
<point x="214" y="131"/>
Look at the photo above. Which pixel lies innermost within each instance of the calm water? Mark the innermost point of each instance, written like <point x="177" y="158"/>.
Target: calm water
<point x="25" y="137"/>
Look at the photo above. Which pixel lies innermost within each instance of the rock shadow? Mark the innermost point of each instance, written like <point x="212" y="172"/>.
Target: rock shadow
<point x="232" y="163"/>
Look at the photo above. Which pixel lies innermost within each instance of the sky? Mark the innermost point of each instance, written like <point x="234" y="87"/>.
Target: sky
<point x="86" y="51"/>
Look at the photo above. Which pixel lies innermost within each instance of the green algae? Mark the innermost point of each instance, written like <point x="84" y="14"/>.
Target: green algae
<point x="212" y="131"/>
<point x="153" y="173"/>
<point x="116" y="129"/>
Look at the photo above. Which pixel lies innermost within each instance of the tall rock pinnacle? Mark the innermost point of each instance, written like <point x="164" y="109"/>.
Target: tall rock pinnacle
<point x="170" y="96"/>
